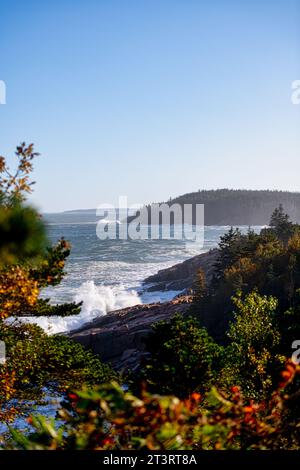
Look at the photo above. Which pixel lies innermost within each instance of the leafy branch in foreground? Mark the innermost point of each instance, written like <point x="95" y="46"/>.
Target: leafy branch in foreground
<point x="15" y="184"/>
<point x="107" y="418"/>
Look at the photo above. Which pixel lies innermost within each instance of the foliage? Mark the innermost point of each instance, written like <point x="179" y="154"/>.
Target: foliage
<point x="281" y="224"/>
<point x="240" y="206"/>
<point x="43" y="307"/>
<point x="7" y="391"/>
<point x="182" y="359"/>
<point x="22" y="235"/>
<point x="268" y="262"/>
<point x="226" y="393"/>
<point x="252" y="358"/>
<point x="17" y="291"/>
<point x="37" y="360"/>
<point x="199" y="290"/>
<point x="15" y="184"/>
<point x="50" y="270"/>
<point x="27" y="264"/>
<point x="108" y="417"/>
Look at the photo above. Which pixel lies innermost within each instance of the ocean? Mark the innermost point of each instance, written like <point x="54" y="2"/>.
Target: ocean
<point x="107" y="274"/>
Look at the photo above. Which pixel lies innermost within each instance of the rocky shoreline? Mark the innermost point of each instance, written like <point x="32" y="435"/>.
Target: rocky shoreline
<point x="181" y="275"/>
<point x="118" y="338"/>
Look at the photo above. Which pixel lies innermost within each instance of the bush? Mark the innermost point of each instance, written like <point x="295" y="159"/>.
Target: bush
<point x="183" y="357"/>
<point x="38" y="360"/>
<point x="252" y="358"/>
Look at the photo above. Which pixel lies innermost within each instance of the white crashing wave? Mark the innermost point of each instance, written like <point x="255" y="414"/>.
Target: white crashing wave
<point x="97" y="301"/>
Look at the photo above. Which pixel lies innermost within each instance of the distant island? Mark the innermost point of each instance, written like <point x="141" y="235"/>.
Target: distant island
<point x="222" y="206"/>
<point x="240" y="206"/>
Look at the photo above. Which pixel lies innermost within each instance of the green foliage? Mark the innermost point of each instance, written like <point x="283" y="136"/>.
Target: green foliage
<point x="183" y="357"/>
<point x="268" y="262"/>
<point x="230" y="250"/>
<point x="281" y="224"/>
<point x="50" y="269"/>
<point x="252" y="359"/>
<point x="39" y="360"/>
<point x="43" y="307"/>
<point x="199" y="291"/>
<point x="22" y="234"/>
<point x="34" y="359"/>
<point x="241" y="207"/>
<point x="107" y="418"/>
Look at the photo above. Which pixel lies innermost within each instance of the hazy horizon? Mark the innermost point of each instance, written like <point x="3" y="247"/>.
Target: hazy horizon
<point x="90" y="209"/>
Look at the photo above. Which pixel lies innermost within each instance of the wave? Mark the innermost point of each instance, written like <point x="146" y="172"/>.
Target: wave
<point x="97" y="301"/>
<point x="108" y="221"/>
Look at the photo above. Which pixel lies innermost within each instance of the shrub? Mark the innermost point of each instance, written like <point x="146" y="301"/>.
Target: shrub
<point x="183" y="358"/>
<point x="37" y="360"/>
<point x="252" y="359"/>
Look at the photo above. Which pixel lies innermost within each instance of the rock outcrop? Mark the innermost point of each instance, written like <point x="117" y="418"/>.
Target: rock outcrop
<point x="118" y="337"/>
<point x="181" y="275"/>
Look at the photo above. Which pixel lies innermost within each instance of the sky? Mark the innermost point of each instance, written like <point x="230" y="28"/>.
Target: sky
<point x="151" y="99"/>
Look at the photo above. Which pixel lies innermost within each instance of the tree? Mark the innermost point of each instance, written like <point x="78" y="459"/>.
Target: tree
<point x="28" y="264"/>
<point x="253" y="355"/>
<point x="279" y="217"/>
<point x="199" y="292"/>
<point x="281" y="224"/>
<point x="229" y="251"/>
<point x="182" y="357"/>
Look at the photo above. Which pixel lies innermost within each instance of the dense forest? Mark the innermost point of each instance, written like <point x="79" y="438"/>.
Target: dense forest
<point x="237" y="206"/>
<point x="240" y="206"/>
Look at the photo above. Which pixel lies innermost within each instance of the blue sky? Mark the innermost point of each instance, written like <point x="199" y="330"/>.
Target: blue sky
<point x="151" y="99"/>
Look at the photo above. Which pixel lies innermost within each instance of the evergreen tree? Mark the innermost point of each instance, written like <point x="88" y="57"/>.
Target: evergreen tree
<point x="199" y="290"/>
<point x="229" y="250"/>
<point x="281" y="224"/>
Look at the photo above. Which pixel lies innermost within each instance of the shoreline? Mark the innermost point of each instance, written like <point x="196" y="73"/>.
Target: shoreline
<point x="118" y="337"/>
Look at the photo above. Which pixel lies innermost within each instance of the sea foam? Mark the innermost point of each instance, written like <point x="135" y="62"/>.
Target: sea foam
<point x="97" y="301"/>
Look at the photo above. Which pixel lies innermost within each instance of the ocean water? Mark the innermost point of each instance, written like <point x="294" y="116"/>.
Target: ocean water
<point x="108" y="274"/>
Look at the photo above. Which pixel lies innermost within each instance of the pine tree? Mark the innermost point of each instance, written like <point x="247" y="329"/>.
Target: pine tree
<point x="199" y="290"/>
<point x="281" y="224"/>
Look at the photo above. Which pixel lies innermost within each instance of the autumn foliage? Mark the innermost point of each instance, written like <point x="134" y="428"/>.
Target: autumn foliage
<point x="28" y="263"/>
<point x="107" y="418"/>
